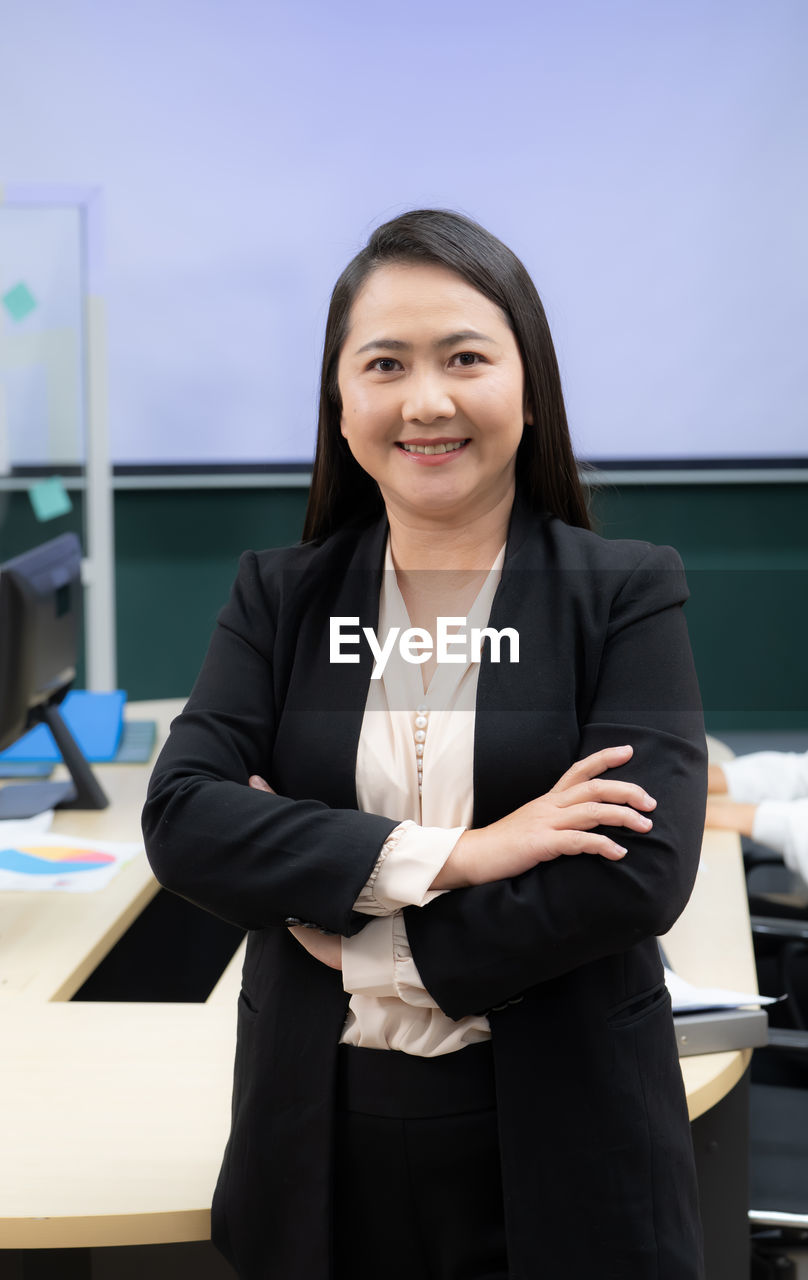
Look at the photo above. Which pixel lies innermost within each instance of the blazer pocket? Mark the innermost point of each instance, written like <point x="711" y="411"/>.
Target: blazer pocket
<point x="638" y="1007"/>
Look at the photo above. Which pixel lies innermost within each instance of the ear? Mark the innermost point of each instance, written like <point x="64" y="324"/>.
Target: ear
<point x="528" y="414"/>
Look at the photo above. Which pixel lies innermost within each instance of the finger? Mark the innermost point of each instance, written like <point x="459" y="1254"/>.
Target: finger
<point x="583" y="817"/>
<point x="605" y="791"/>
<point x="575" y="842"/>
<point x="591" y="766"/>
<point x="260" y="784"/>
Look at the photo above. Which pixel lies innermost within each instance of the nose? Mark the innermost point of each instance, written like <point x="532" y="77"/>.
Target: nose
<point x="427" y="398"/>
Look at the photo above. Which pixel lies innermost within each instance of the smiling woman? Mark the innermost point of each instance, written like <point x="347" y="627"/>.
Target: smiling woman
<point x="453" y="873"/>
<point x="484" y="280"/>
<point x="434" y="412"/>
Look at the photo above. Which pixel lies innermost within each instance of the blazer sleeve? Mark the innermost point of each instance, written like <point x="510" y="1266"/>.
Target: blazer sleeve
<point x="480" y="947"/>
<point x="252" y="858"/>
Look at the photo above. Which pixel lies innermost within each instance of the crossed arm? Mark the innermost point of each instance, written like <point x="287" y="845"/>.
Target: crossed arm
<point x="541" y="891"/>
<point x="559" y="824"/>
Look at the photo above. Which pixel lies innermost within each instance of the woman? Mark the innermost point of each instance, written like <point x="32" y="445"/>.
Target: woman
<point x="455" y="1052"/>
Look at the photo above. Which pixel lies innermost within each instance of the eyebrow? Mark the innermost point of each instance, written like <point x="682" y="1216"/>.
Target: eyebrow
<point x="395" y="344"/>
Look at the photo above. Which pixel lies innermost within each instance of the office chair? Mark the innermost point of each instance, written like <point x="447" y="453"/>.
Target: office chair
<point x="778" y="910"/>
<point x="778" y="1139"/>
<point x="778" y="1161"/>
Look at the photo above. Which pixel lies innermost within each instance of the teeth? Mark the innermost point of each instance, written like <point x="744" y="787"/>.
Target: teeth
<point x="433" y="448"/>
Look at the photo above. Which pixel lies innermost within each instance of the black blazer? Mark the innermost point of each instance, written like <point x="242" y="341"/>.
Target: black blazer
<point x="596" y="1151"/>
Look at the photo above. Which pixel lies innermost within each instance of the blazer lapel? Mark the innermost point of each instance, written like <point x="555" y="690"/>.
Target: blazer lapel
<point x="525" y="724"/>
<point x="324" y="705"/>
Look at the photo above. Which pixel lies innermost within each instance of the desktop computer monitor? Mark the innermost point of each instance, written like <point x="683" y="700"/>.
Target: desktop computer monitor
<point x="40" y="625"/>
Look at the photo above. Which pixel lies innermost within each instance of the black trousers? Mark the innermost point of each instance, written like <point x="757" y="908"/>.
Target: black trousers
<point x="418" y="1182"/>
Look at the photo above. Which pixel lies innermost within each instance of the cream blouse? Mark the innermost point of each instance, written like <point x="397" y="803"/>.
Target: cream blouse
<point x="405" y="733"/>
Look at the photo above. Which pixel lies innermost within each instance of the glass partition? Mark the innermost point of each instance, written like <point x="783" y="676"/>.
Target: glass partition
<point x="54" y="453"/>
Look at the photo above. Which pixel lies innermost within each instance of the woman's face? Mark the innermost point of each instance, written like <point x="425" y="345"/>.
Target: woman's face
<point x="432" y="393"/>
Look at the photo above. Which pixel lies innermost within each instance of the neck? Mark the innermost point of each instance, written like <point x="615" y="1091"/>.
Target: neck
<point x="416" y="543"/>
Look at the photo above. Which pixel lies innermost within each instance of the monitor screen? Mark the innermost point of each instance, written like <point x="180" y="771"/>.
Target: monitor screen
<point x="40" y="626"/>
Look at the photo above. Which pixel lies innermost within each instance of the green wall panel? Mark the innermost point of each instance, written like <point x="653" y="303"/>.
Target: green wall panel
<point x="176" y="556"/>
<point x="745" y="548"/>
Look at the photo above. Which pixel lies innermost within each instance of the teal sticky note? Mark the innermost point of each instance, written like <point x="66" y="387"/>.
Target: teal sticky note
<point x="19" y="301"/>
<point x="50" y="499"/>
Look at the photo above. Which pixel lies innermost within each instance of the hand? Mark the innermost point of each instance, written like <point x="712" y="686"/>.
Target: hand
<point x="325" y="947"/>
<point x="260" y="784"/>
<point x="729" y="815"/>
<point x="716" y="780"/>
<point x="557" y="824"/>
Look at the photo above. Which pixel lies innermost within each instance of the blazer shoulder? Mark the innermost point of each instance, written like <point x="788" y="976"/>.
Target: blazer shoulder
<point x="625" y="576"/>
<point x="585" y="549"/>
<point x="314" y="557"/>
<point x="271" y="581"/>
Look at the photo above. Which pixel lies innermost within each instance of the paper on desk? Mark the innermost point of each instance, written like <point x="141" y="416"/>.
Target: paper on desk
<point x="31" y="861"/>
<point x="686" y="998"/>
<point x="13" y="829"/>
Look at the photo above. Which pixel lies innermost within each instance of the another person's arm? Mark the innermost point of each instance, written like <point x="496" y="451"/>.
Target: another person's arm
<point x="764" y="795"/>
<point x="761" y="775"/>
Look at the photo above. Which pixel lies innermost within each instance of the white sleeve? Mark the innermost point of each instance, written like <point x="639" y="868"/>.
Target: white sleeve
<point x="409" y="986"/>
<point x="409" y="860"/>
<point x="767" y="775"/>
<point x="368" y="966"/>
<point x="784" y="826"/>
<point x="378" y="962"/>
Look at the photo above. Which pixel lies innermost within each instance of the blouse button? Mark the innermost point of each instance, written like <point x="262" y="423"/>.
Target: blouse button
<point x="420" y="736"/>
<point x="420" y="722"/>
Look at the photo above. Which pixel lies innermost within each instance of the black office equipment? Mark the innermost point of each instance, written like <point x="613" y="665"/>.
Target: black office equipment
<point x="720" y="1030"/>
<point x="40" y="625"/>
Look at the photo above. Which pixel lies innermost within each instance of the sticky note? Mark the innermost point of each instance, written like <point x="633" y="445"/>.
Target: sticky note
<point x="50" y="499"/>
<point x="19" y="301"/>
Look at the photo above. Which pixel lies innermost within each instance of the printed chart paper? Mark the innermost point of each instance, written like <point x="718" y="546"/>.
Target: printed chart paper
<point x="65" y="864"/>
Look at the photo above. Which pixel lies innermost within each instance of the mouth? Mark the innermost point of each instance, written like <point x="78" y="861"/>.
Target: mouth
<point x="429" y="450"/>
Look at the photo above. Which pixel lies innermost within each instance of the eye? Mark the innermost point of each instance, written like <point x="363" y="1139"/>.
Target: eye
<point x="467" y="359"/>
<point x="385" y="364"/>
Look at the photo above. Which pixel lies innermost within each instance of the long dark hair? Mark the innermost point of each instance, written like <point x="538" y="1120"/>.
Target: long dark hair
<point x="341" y="492"/>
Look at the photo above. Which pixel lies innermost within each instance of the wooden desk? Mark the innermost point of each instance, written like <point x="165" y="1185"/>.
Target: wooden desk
<point x="114" y="1116"/>
<point x="711" y="945"/>
<point x="51" y="942"/>
<point x="114" y="1119"/>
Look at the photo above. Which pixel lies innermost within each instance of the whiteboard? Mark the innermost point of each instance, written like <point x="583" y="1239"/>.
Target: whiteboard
<point x="645" y="160"/>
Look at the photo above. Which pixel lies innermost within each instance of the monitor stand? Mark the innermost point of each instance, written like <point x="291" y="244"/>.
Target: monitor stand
<point x="83" y="792"/>
<point x="30" y="798"/>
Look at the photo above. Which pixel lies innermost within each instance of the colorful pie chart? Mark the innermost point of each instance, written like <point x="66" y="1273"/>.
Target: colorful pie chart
<point x="39" y="860"/>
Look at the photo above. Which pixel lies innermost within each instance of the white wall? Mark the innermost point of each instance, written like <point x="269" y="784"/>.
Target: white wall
<point x="645" y="158"/>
